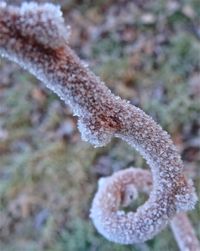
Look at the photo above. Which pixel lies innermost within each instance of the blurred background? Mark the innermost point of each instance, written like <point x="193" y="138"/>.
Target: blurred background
<point x="147" y="51"/>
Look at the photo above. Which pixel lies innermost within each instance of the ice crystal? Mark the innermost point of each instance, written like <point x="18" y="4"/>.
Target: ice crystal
<point x="121" y="189"/>
<point x="35" y="37"/>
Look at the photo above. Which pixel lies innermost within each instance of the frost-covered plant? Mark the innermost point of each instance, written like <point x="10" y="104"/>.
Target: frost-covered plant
<point x="121" y="189"/>
<point x="35" y="37"/>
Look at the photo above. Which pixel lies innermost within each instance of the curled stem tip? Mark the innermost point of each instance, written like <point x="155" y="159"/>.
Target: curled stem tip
<point x="35" y="36"/>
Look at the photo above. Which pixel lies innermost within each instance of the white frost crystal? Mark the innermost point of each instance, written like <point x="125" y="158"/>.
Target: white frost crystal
<point x="34" y="36"/>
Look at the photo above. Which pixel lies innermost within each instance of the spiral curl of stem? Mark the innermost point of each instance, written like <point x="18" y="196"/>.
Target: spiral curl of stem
<point x="35" y="36"/>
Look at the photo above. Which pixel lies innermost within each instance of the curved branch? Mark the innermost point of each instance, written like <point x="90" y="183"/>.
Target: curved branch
<point x="120" y="190"/>
<point x="35" y="37"/>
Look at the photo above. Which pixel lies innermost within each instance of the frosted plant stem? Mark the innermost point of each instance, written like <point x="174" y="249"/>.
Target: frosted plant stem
<point x="122" y="188"/>
<point x="34" y="36"/>
<point x="184" y="233"/>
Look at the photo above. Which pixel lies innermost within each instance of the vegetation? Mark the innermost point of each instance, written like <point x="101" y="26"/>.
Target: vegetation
<point x="146" y="52"/>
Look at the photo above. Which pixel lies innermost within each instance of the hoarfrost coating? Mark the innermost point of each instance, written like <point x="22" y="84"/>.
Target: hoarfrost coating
<point x="35" y="37"/>
<point x="121" y="189"/>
